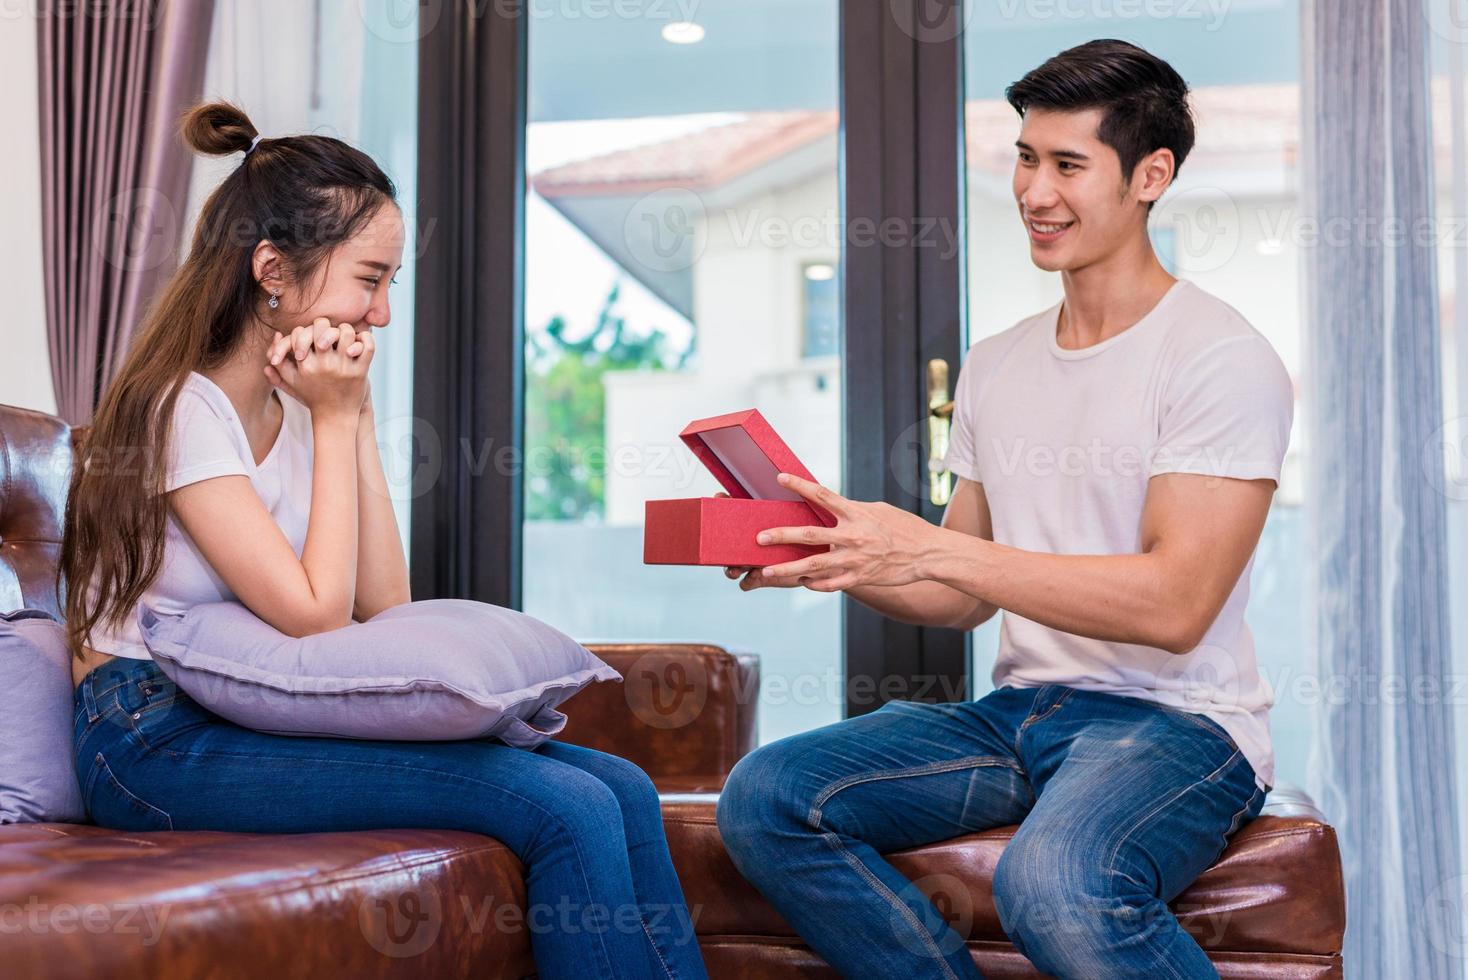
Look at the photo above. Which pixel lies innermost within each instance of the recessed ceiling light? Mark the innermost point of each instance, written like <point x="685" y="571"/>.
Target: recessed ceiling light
<point x="819" y="272"/>
<point x="682" y="32"/>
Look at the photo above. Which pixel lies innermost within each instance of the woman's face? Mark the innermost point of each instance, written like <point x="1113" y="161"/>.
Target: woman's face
<point x="351" y="286"/>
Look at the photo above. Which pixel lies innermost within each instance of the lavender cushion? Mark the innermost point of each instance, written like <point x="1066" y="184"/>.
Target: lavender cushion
<point x="428" y="670"/>
<point x="37" y="780"/>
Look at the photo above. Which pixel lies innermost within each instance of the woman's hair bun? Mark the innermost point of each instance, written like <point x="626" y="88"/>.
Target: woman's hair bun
<point x="217" y="128"/>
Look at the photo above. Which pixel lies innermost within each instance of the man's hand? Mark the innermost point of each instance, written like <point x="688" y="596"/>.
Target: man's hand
<point x="922" y="603"/>
<point x="754" y="578"/>
<point x="871" y="544"/>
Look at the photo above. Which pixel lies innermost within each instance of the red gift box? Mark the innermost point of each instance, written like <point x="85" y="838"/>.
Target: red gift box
<point x="746" y="456"/>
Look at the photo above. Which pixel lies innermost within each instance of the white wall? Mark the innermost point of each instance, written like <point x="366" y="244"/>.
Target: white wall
<point x="749" y="309"/>
<point x="25" y="366"/>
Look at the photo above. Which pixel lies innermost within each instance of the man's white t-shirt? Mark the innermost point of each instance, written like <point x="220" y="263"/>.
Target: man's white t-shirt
<point x="1064" y="442"/>
<point x="208" y="440"/>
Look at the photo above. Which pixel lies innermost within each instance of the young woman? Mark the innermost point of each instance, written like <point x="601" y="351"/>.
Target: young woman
<point x="233" y="458"/>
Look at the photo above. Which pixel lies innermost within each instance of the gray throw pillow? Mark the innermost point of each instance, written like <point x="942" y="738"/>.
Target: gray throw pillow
<point x="37" y="779"/>
<point x="436" y="669"/>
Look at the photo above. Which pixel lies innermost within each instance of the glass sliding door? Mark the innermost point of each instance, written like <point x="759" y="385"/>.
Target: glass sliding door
<point x="1230" y="223"/>
<point x="682" y="259"/>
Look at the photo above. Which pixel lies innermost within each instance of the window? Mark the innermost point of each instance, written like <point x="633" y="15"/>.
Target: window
<point x="682" y="191"/>
<point x="822" y="333"/>
<point x="1227" y="224"/>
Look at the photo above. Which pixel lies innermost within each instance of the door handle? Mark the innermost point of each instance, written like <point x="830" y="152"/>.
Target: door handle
<point x="940" y="414"/>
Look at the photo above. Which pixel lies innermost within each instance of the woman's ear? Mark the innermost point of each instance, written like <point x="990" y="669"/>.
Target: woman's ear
<point x="267" y="266"/>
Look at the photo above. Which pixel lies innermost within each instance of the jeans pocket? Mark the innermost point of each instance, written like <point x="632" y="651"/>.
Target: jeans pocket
<point x="79" y="720"/>
<point x="159" y="725"/>
<point x="1201" y="721"/>
<point x="111" y="804"/>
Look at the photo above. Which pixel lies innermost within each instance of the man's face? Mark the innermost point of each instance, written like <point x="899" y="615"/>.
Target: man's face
<point x="1076" y="205"/>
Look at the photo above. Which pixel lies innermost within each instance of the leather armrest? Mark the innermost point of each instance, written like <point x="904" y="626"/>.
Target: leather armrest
<point x="684" y="712"/>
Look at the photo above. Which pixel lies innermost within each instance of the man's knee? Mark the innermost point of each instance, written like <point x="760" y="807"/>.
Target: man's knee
<point x="1063" y="909"/>
<point x="761" y="795"/>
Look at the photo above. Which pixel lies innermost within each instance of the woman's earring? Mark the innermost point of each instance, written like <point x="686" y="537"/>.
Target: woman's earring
<point x="274" y="301"/>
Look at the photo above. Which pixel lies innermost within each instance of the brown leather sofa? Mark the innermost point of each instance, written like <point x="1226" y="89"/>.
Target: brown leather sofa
<point x="85" y="901"/>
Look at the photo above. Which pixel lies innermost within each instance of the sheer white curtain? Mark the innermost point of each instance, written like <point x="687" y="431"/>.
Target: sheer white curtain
<point x="348" y="70"/>
<point x="1387" y="768"/>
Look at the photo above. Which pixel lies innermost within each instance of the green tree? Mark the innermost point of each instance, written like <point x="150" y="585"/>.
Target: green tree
<point x="565" y="409"/>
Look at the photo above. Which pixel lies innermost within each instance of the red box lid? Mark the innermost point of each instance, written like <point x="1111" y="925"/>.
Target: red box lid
<point x="745" y="454"/>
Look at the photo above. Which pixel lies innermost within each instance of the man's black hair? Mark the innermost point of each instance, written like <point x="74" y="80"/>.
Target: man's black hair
<point x="1144" y="102"/>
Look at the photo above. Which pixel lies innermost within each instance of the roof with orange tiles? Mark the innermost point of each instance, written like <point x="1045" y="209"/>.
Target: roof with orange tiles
<point x="1232" y="120"/>
<point x="1260" y="123"/>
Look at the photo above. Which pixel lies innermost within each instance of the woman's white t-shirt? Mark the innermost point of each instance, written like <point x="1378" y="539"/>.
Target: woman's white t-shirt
<point x="208" y="440"/>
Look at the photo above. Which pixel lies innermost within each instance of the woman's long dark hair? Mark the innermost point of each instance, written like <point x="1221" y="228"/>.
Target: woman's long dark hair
<point x="305" y="195"/>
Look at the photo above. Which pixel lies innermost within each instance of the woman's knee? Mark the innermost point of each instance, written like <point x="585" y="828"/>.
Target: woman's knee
<point x="629" y="783"/>
<point x="574" y="805"/>
<point x="640" y="808"/>
<point x="626" y="779"/>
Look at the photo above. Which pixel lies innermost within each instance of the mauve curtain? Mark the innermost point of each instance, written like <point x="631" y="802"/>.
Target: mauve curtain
<point x="1387" y="772"/>
<point x="114" y="176"/>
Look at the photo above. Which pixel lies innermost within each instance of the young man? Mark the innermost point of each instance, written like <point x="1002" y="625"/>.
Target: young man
<point x="1116" y="455"/>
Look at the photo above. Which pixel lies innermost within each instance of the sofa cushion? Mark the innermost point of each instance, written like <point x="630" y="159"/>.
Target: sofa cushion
<point x="759" y="958"/>
<point x="91" y="902"/>
<point x="37" y="782"/>
<point x="684" y="712"/>
<point x="1277" y="889"/>
<point x="104" y="903"/>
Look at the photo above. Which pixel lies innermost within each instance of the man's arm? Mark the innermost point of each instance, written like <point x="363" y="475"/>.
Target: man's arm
<point x="923" y="603"/>
<point x="929" y="602"/>
<point x="1197" y="535"/>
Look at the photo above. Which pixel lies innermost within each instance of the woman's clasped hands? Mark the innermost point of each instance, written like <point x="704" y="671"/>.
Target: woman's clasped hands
<point x="322" y="366"/>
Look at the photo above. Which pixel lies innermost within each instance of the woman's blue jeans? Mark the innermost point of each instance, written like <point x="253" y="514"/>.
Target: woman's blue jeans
<point x="1121" y="804"/>
<point x="603" y="898"/>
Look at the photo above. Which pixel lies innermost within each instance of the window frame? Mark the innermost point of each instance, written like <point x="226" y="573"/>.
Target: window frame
<point x="901" y="137"/>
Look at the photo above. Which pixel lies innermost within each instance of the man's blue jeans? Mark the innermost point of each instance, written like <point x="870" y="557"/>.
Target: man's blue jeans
<point x="1121" y="804"/>
<point x="603" y="898"/>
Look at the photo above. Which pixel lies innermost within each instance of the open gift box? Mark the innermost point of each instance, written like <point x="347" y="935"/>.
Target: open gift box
<point x="746" y="456"/>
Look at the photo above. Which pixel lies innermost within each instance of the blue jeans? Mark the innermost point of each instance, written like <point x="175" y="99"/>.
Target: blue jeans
<point x="603" y="898"/>
<point x="1121" y="804"/>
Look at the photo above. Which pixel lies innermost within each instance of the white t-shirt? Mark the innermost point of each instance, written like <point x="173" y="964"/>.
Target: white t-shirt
<point x="1064" y="442"/>
<point x="208" y="440"/>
